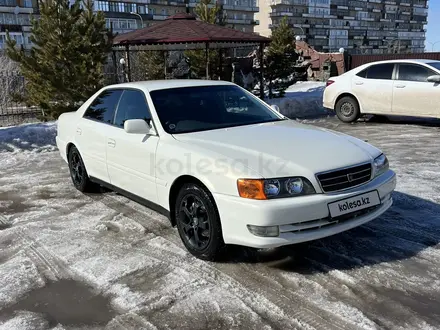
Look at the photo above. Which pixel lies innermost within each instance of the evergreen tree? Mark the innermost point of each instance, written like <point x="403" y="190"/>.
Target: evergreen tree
<point x="150" y="65"/>
<point x="65" y="65"/>
<point x="210" y="13"/>
<point x="280" y="59"/>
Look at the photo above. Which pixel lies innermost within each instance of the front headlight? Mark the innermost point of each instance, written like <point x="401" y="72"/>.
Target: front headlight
<point x="274" y="188"/>
<point x="380" y="165"/>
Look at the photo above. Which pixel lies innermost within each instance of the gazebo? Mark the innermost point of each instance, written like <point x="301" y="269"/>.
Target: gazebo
<point x="185" y="32"/>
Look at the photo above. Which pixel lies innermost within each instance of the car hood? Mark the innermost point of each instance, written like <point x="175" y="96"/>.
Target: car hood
<point x="283" y="148"/>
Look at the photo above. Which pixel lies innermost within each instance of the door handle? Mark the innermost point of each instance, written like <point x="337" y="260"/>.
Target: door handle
<point x="78" y="131"/>
<point x="111" y="143"/>
<point x="400" y="86"/>
<point x="359" y="83"/>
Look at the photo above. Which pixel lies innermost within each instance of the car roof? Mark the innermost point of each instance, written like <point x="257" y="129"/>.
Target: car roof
<point x="419" y="61"/>
<point x="152" y="85"/>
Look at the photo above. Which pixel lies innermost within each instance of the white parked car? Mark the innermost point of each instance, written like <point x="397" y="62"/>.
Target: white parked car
<point x="399" y="87"/>
<point x="223" y="165"/>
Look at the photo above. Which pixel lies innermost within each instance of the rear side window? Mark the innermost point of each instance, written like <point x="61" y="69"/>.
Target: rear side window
<point x="104" y="106"/>
<point x="132" y="106"/>
<point x="380" y="71"/>
<point x="411" y="72"/>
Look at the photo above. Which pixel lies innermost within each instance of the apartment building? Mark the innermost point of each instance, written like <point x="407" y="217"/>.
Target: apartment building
<point x="123" y="16"/>
<point x="15" y="18"/>
<point x="239" y="14"/>
<point x="358" y="26"/>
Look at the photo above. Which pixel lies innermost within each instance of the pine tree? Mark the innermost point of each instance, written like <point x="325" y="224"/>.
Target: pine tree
<point x="150" y="65"/>
<point x="280" y="58"/>
<point x="213" y="14"/>
<point x="65" y="65"/>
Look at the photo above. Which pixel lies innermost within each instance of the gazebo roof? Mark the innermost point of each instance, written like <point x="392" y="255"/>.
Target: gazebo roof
<point x="184" y="31"/>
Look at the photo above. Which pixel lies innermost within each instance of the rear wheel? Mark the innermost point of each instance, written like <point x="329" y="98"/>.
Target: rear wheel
<point x="347" y="109"/>
<point x="78" y="172"/>
<point x="198" y="222"/>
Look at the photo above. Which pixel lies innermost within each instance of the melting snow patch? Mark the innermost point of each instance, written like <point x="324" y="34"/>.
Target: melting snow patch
<point x="302" y="100"/>
<point x="126" y="300"/>
<point x="29" y="137"/>
<point x="24" y="320"/>
<point x="19" y="276"/>
<point x="105" y="269"/>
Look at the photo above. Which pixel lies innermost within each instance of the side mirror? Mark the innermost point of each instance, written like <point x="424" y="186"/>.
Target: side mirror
<point x="138" y="126"/>
<point x="275" y="107"/>
<point x="434" y="79"/>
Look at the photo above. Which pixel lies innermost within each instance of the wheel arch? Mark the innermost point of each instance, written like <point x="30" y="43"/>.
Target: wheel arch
<point x="174" y="191"/>
<point x="348" y="94"/>
<point x="68" y="147"/>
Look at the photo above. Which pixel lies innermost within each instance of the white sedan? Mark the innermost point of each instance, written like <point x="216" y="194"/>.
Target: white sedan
<point x="399" y="87"/>
<point x="223" y="165"/>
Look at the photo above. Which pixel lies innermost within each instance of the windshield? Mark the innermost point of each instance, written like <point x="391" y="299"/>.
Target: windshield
<point x="191" y="109"/>
<point x="434" y="65"/>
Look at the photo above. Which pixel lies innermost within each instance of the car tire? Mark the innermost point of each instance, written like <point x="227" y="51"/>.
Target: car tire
<point x="198" y="222"/>
<point x="78" y="172"/>
<point x="347" y="109"/>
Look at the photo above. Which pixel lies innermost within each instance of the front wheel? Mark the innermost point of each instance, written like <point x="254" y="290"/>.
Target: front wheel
<point x="78" y="172"/>
<point x="347" y="109"/>
<point x="198" y="222"/>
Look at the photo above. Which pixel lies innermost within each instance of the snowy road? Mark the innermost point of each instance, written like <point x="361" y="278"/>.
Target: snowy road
<point x="74" y="261"/>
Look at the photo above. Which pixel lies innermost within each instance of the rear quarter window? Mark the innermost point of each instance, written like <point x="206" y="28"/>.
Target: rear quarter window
<point x="363" y="73"/>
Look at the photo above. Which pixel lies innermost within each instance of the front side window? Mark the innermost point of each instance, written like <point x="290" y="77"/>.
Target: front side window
<point x="191" y="109"/>
<point x="103" y="107"/>
<point x="411" y="72"/>
<point x="381" y="71"/>
<point x="132" y="106"/>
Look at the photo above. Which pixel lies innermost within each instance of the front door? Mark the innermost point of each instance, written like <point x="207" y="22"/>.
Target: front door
<point x="131" y="157"/>
<point x="413" y="95"/>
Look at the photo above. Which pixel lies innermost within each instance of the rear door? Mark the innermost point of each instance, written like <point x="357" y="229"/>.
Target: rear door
<point x="131" y="157"/>
<point x="374" y="88"/>
<point x="413" y="95"/>
<point x="91" y="132"/>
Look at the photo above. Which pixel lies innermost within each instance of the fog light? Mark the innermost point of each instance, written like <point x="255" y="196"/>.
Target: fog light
<point x="264" y="231"/>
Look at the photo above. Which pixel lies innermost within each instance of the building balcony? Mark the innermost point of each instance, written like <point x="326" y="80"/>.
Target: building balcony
<point x="282" y="2"/>
<point x="239" y="21"/>
<point x="158" y="2"/>
<point x="21" y="10"/>
<point x="159" y="17"/>
<point x="241" y="8"/>
<point x="177" y="3"/>
<point x="281" y="13"/>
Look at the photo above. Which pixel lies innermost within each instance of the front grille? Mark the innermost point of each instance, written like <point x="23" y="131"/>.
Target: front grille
<point x="344" y="179"/>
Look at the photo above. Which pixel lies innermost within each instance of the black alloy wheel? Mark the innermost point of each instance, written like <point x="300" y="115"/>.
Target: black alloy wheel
<point x="198" y="222"/>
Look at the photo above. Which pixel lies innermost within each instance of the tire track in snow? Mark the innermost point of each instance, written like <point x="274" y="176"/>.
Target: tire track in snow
<point x="275" y="296"/>
<point x="299" y="312"/>
<point x="263" y="307"/>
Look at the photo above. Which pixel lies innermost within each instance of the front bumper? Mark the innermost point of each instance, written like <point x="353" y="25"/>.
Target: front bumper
<point x="311" y="211"/>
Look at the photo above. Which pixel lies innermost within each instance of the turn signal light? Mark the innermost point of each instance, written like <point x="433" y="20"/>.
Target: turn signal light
<point x="250" y="188"/>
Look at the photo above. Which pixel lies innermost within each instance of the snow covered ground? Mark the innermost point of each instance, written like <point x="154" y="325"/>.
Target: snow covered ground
<point x="101" y="261"/>
<point x="302" y="100"/>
